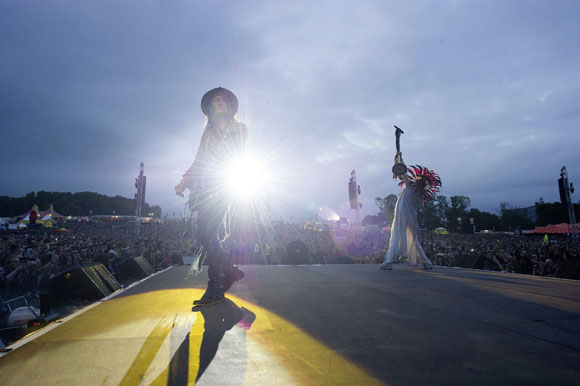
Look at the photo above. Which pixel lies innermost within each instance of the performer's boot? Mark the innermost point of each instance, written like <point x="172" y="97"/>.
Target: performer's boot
<point x="214" y="294"/>
<point x="216" y="286"/>
<point x="209" y="300"/>
<point x="233" y="274"/>
<point x="427" y="266"/>
<point x="386" y="266"/>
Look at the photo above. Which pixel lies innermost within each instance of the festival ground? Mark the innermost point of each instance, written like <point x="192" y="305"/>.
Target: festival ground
<point x="317" y="325"/>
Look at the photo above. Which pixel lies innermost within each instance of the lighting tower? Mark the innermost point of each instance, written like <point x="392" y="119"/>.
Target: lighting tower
<point x="140" y="184"/>
<point x="566" y="190"/>
<point x="353" y="193"/>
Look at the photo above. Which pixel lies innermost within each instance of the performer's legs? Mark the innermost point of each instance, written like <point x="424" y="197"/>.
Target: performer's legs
<point x="207" y="233"/>
<point x="423" y="257"/>
<point x="394" y="250"/>
<point x="391" y="257"/>
<point x="221" y="272"/>
<point x="218" y="263"/>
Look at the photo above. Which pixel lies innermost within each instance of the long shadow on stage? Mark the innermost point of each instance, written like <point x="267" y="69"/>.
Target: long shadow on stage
<point x="191" y="356"/>
<point x="218" y="319"/>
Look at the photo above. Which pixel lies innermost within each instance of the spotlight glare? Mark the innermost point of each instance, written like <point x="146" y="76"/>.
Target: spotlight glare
<point x="246" y="177"/>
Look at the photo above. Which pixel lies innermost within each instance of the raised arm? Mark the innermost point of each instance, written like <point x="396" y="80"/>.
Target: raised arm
<point x="406" y="179"/>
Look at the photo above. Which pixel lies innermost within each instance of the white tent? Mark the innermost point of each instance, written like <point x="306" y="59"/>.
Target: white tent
<point x="46" y="221"/>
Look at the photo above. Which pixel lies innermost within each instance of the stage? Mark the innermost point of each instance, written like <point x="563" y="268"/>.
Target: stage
<point x="316" y="325"/>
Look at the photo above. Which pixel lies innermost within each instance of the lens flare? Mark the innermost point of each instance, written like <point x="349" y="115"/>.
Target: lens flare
<point x="246" y="177"/>
<point x="326" y="213"/>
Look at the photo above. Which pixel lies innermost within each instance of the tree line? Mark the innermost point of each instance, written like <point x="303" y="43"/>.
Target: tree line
<point x="456" y="214"/>
<point x="74" y="204"/>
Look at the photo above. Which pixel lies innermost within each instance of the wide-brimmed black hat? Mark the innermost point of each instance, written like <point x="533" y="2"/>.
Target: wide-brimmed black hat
<point x="231" y="100"/>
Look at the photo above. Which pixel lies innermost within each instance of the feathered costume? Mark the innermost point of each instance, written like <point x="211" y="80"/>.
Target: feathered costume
<point x="419" y="185"/>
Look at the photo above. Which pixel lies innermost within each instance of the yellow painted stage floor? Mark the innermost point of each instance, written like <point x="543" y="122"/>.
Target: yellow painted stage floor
<point x="326" y="325"/>
<point x="155" y="338"/>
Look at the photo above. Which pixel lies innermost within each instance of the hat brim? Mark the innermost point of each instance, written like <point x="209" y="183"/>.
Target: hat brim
<point x="230" y="97"/>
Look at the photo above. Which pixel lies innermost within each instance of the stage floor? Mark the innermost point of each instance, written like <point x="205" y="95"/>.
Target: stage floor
<point x="317" y="325"/>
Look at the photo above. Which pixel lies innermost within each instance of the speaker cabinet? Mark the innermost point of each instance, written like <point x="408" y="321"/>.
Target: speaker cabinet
<point x="91" y="281"/>
<point x="136" y="267"/>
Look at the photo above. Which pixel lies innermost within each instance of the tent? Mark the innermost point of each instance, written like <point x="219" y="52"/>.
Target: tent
<point x="46" y="221"/>
<point x="27" y="214"/>
<point x="50" y="211"/>
<point x="562" y="228"/>
<point x="42" y="213"/>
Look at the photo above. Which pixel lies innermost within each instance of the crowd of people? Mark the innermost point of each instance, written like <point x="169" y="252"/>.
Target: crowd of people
<point x="340" y="245"/>
<point x="526" y="254"/>
<point x="29" y="260"/>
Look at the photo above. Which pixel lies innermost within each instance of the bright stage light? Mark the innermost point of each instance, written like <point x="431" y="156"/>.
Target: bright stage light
<point x="327" y="213"/>
<point x="246" y="176"/>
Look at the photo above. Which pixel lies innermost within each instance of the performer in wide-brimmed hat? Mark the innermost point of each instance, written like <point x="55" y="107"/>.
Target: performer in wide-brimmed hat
<point x="222" y="139"/>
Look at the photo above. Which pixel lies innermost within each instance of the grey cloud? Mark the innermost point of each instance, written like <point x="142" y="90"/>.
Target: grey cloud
<point x="486" y="92"/>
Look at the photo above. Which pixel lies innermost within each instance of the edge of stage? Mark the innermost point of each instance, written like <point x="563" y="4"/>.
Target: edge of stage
<point x="337" y="324"/>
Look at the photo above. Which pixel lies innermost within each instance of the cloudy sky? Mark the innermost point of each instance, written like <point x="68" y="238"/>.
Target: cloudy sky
<point x="488" y="93"/>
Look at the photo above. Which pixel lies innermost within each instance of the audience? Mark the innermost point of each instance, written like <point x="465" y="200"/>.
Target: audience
<point x="29" y="260"/>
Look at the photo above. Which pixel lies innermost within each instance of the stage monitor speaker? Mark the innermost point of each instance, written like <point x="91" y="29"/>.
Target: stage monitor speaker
<point x="465" y="260"/>
<point x="296" y="253"/>
<point x="91" y="281"/>
<point x="470" y="261"/>
<point x="137" y="267"/>
<point x="485" y="264"/>
<point x="480" y="262"/>
<point x="105" y="275"/>
<point x="458" y="261"/>
<point x="570" y="269"/>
